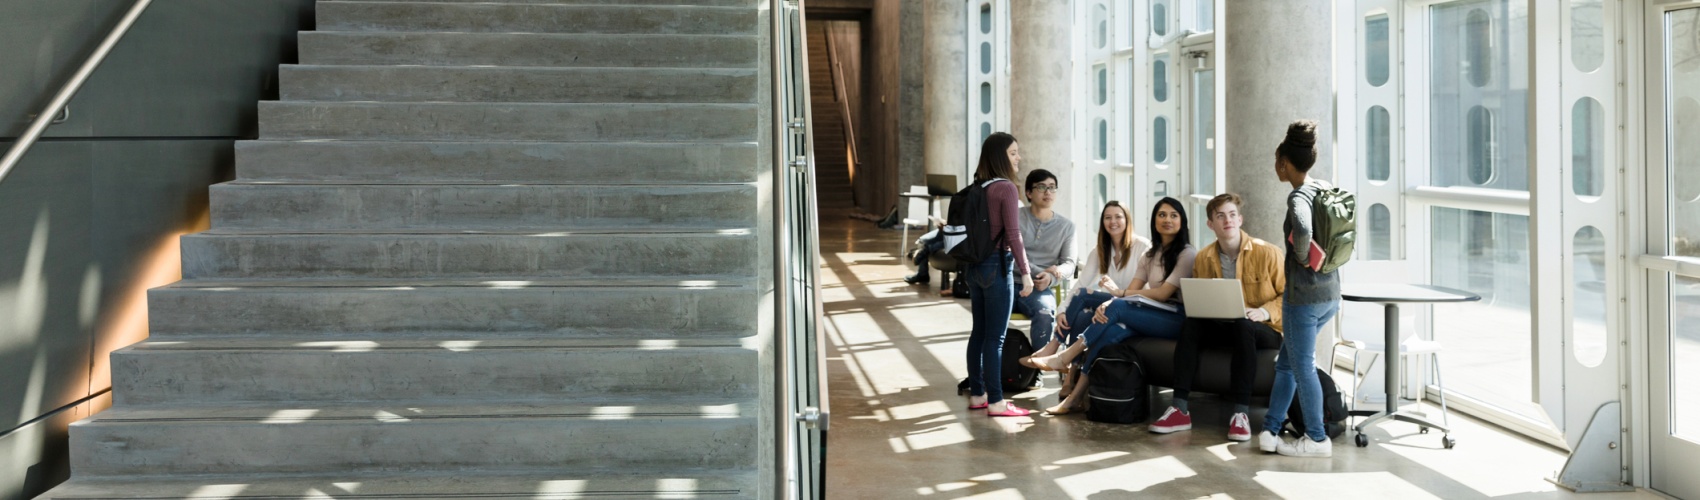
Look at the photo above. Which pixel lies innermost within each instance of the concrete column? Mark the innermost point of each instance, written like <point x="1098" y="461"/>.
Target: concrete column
<point x="1278" y="65"/>
<point x="1041" y="92"/>
<point x="944" y="100"/>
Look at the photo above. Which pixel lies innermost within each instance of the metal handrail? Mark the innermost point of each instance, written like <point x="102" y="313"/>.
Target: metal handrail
<point x="799" y="408"/>
<point x="843" y="93"/>
<point x="50" y="115"/>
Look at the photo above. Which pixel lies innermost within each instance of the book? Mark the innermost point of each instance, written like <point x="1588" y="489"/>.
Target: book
<point x="1317" y="255"/>
<point x="1143" y="301"/>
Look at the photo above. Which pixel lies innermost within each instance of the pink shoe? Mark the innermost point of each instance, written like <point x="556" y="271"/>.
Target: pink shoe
<point x="1173" y="420"/>
<point x="1239" y="427"/>
<point x="1009" y="411"/>
<point x="980" y="406"/>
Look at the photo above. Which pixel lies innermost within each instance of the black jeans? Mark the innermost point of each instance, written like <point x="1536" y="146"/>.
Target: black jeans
<point x="1242" y="337"/>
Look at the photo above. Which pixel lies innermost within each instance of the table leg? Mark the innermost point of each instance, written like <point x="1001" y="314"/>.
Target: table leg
<point x="1390" y="359"/>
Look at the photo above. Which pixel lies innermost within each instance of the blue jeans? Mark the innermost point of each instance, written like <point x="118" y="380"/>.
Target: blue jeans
<point x="1127" y="320"/>
<point x="991" y="292"/>
<point x="1041" y="307"/>
<point x="1295" y="368"/>
<point x="1079" y="313"/>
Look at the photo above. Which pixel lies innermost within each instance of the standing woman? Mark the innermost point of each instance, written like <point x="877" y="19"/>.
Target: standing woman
<point x="1311" y="299"/>
<point x="991" y="290"/>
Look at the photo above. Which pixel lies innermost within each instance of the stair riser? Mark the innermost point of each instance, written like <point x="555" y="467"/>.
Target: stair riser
<point x="448" y="445"/>
<point x="459" y="312"/>
<point x="440" y="84"/>
<point x="165" y="377"/>
<point x="307" y="207"/>
<point x="718" y="3"/>
<point x="507" y="122"/>
<point x="467" y="256"/>
<point x="496" y="162"/>
<point x="534" y="18"/>
<point x="502" y="49"/>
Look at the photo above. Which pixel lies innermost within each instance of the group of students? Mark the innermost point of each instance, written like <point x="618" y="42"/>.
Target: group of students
<point x="1130" y="287"/>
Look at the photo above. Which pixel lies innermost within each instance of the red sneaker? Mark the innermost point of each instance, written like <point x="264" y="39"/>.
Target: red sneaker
<point x="1173" y="420"/>
<point x="1239" y="427"/>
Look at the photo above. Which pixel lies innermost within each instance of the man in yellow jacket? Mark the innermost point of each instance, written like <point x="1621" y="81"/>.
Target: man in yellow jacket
<point x="1258" y="266"/>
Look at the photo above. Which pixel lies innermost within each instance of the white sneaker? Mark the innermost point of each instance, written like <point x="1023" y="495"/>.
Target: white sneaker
<point x="1268" y="441"/>
<point x="1305" y="447"/>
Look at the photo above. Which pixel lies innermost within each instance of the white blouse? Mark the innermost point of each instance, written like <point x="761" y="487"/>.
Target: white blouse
<point x="1121" y="275"/>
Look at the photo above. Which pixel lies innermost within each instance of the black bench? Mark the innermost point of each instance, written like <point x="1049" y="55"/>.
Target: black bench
<point x="1157" y="358"/>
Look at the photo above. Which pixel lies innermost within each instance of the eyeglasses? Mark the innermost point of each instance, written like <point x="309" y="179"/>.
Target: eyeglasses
<point x="1045" y="189"/>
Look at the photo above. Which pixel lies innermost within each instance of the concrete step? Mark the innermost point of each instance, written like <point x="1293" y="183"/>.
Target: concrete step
<point x="524" y="49"/>
<point x="440" y="207"/>
<point x="414" y="437"/>
<point x="706" y="254"/>
<point x="535" y="18"/>
<point x="507" y="121"/>
<point x="454" y="309"/>
<point x="305" y="371"/>
<point x="546" y="484"/>
<point x="496" y="162"/>
<point x="509" y="84"/>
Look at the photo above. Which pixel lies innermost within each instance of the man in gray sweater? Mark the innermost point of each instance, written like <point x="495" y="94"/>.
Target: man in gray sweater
<point x="1049" y="240"/>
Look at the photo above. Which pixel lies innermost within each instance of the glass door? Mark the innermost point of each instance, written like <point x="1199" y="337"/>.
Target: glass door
<point x="1672" y="263"/>
<point x="1200" y="155"/>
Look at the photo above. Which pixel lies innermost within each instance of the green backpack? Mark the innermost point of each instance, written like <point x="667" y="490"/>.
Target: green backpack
<point x="1334" y="213"/>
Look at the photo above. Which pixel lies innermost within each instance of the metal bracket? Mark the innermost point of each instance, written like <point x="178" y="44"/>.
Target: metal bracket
<point x="799" y="162"/>
<point x="811" y="417"/>
<point x="63" y="116"/>
<point x="1597" y="463"/>
<point x="797" y="125"/>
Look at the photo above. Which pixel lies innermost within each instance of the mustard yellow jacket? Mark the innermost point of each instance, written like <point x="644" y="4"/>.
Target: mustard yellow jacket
<point x="1259" y="270"/>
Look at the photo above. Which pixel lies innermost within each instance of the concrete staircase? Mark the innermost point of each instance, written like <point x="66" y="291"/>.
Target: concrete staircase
<point x="481" y="249"/>
<point x="833" y="190"/>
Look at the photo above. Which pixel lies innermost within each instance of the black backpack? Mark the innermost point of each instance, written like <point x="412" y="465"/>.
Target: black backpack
<point x="1333" y="409"/>
<point x="1117" y="387"/>
<point x="971" y="217"/>
<point x="1016" y="378"/>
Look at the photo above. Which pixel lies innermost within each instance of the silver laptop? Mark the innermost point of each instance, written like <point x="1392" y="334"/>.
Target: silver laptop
<point x="1213" y="298"/>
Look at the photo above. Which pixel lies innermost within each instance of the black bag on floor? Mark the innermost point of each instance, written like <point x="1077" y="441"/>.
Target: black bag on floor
<point x="1116" y="390"/>
<point x="1016" y="378"/>
<point x="1333" y="409"/>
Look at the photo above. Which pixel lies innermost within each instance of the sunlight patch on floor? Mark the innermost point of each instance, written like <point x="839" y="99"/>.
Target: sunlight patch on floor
<point x="857" y="329"/>
<point x="1385" y="485"/>
<point x="889" y="371"/>
<point x="1129" y="477"/>
<point x="1513" y="467"/>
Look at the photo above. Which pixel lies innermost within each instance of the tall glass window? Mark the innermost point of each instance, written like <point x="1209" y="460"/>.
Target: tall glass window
<point x="986" y="58"/>
<point x="1487" y="254"/>
<point x="1204" y="131"/>
<point x="1206" y="16"/>
<point x="1160" y="78"/>
<point x="1377" y="49"/>
<point x="1160" y="17"/>
<point x="1160" y="140"/>
<point x="1378" y="144"/>
<point x="1587" y="35"/>
<point x="1588" y="293"/>
<point x="1478" y="106"/>
<point x="1380" y="232"/>
<point x="1587" y="147"/>
<point x="1683" y="136"/>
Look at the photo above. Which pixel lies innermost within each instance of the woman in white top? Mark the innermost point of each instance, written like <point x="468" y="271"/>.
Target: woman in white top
<point x="1156" y="278"/>
<point x="1121" y="245"/>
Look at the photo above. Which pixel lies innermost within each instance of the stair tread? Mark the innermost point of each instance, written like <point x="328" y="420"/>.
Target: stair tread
<point x="739" y="283"/>
<point x="606" y="408"/>
<point x="545" y="484"/>
<point x="636" y="232"/>
<point x="283" y="343"/>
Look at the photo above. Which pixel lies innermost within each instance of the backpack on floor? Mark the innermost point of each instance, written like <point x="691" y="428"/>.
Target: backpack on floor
<point x="1333" y="409"/>
<point x="1016" y="378"/>
<point x="968" y="231"/>
<point x="1334" y="215"/>
<point x="1116" y="387"/>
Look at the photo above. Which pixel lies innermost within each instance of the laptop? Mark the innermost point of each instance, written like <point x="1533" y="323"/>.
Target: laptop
<point x="941" y="184"/>
<point x="1213" y="298"/>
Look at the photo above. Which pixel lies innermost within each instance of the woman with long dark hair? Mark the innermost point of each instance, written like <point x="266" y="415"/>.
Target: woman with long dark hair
<point x="1150" y="305"/>
<point x="1311" y="299"/>
<point x="991" y="288"/>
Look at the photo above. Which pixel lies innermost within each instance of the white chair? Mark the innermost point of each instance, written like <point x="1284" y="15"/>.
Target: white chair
<point x="1376" y="347"/>
<point x="918" y="213"/>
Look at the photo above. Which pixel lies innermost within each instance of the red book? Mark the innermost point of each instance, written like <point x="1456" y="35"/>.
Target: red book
<point x="1317" y="256"/>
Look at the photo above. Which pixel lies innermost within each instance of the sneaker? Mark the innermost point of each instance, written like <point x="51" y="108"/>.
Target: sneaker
<point x="1173" y="420"/>
<point x="1268" y="442"/>
<point x="1305" y="447"/>
<point x="1239" y="427"/>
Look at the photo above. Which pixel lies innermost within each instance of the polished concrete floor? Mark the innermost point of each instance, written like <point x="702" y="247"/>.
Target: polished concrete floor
<point x="899" y="430"/>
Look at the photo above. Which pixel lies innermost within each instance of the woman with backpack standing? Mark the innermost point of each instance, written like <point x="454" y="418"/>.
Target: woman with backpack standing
<point x="991" y="281"/>
<point x="1311" y="299"/>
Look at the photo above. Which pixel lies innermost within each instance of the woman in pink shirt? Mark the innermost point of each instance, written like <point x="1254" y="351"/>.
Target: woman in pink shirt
<point x="991" y="288"/>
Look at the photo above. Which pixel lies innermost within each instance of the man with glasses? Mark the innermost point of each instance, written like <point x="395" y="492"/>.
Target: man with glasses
<point x="1257" y="264"/>
<point x="1049" y="240"/>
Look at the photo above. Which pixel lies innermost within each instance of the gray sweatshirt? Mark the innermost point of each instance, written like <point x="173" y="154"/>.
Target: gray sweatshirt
<point x="1305" y="286"/>
<point x="1049" y="243"/>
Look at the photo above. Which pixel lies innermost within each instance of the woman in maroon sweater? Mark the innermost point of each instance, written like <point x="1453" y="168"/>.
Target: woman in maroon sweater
<point x="991" y="288"/>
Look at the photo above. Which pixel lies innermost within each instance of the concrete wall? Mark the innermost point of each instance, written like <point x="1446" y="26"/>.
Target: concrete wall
<point x="89" y="219"/>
